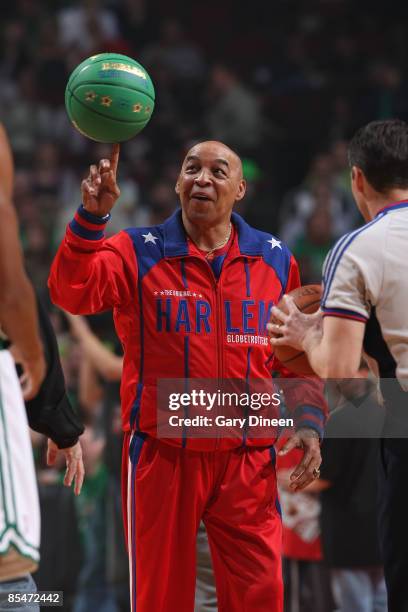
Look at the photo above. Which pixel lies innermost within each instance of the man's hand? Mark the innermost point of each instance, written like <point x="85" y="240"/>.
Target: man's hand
<point x="34" y="370"/>
<point x="100" y="190"/>
<point x="294" y="327"/>
<point x="308" y="469"/>
<point x="73" y="459"/>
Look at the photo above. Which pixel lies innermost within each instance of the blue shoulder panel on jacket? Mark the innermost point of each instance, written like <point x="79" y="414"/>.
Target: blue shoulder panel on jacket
<point x="278" y="257"/>
<point x="148" y="245"/>
<point x="273" y="251"/>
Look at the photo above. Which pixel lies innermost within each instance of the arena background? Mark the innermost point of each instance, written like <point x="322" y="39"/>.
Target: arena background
<point x="285" y="83"/>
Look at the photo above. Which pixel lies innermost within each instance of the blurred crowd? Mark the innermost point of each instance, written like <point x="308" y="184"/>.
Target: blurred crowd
<point x="284" y="83"/>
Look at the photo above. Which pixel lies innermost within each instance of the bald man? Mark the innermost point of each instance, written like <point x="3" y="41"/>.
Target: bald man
<point x="191" y="299"/>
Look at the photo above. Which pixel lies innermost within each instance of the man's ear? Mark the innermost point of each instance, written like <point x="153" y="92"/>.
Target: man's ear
<point x="241" y="190"/>
<point x="177" y="187"/>
<point x="358" y="179"/>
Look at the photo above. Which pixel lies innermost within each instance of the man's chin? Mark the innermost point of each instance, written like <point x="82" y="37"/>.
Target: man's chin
<point x="200" y="204"/>
<point x="200" y="209"/>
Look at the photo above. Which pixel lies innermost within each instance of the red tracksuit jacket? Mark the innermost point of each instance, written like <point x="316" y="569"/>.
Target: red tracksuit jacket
<point x="173" y="317"/>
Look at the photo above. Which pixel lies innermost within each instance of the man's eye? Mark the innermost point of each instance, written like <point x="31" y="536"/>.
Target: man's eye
<point x="219" y="171"/>
<point x="191" y="169"/>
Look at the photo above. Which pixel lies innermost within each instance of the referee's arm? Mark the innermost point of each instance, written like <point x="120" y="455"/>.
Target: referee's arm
<point x="335" y="351"/>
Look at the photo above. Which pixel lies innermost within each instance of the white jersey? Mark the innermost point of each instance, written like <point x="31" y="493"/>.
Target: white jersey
<point x="365" y="277"/>
<point x="19" y="505"/>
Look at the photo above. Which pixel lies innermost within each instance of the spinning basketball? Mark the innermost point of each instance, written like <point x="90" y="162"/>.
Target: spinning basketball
<point x="109" y="97"/>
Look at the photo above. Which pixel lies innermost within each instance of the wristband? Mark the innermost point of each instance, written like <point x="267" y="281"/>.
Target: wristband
<point x="87" y="225"/>
<point x="88" y="216"/>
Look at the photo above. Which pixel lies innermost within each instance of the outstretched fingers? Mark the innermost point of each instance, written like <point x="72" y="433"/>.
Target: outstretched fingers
<point x="114" y="160"/>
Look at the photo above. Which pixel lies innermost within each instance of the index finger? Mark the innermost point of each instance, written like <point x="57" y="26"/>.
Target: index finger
<point x="115" y="157"/>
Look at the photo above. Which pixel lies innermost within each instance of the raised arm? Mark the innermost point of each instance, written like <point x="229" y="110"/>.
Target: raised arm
<point x="89" y="273"/>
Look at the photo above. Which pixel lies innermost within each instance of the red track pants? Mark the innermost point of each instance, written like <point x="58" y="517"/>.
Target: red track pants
<point x="167" y="491"/>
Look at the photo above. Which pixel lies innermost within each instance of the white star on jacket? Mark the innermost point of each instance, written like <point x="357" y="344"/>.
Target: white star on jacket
<point x="149" y="238"/>
<point x="275" y="243"/>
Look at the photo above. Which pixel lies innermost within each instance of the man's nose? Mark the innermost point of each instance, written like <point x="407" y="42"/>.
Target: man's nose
<point x="203" y="177"/>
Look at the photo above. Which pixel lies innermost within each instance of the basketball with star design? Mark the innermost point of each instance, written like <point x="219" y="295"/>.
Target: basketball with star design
<point x="109" y="97"/>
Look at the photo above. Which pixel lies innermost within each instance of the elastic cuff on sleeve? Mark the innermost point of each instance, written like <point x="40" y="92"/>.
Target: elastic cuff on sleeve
<point x="85" y="214"/>
<point x="344" y="314"/>
<point x="311" y="417"/>
<point x="87" y="225"/>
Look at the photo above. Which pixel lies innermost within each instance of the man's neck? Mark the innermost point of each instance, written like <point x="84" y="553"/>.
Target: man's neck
<point x="208" y="238"/>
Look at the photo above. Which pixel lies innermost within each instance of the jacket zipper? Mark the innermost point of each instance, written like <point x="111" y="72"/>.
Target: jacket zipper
<point x="220" y="332"/>
<point x="220" y="340"/>
<point x="218" y="321"/>
<point x="217" y="318"/>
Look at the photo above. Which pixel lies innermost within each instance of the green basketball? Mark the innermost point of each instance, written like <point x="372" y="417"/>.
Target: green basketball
<point x="109" y="97"/>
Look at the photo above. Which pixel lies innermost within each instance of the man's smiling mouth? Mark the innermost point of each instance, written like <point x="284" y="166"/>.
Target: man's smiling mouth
<point x="202" y="197"/>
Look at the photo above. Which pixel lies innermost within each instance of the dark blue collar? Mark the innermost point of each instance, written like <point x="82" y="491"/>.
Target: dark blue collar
<point x="175" y="238"/>
<point x="392" y="206"/>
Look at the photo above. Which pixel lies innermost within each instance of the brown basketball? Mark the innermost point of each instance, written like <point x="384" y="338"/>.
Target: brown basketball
<point x="307" y="299"/>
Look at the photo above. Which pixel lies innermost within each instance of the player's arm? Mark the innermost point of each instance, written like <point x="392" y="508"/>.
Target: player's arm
<point x="50" y="411"/>
<point x="18" y="313"/>
<point x="89" y="273"/>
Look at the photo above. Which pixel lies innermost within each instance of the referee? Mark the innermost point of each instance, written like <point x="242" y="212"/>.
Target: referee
<point x="364" y="307"/>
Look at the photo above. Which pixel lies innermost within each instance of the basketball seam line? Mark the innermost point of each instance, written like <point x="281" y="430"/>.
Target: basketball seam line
<point x="153" y="100"/>
<point x="102" y="115"/>
<point x="311" y="304"/>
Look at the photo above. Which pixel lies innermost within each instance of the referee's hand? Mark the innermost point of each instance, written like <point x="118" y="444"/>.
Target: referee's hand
<point x="75" y="466"/>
